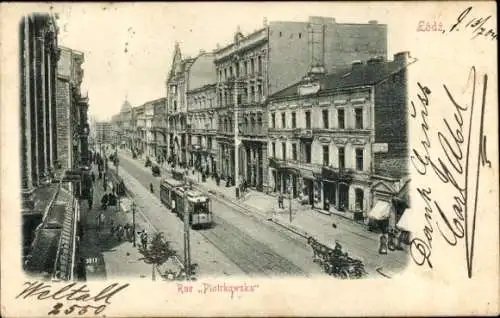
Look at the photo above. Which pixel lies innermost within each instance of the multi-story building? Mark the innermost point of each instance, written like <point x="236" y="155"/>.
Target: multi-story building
<point x="54" y="135"/>
<point x="268" y="60"/>
<point x="176" y="103"/>
<point x="126" y="125"/>
<point x="202" y="114"/>
<point x="330" y="137"/>
<point x="139" y="123"/>
<point x="105" y="132"/>
<point x="158" y="148"/>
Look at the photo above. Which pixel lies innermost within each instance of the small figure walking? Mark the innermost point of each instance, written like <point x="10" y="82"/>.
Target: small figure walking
<point x="280" y="201"/>
<point x="144" y="239"/>
<point x="90" y="200"/>
<point x="382" y="249"/>
<point x="151" y="188"/>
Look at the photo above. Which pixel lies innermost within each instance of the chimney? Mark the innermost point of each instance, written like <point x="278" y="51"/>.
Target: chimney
<point x="316" y="45"/>
<point x="402" y="58"/>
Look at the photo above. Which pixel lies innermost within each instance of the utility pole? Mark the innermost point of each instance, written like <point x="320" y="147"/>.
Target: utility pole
<point x="290" y="198"/>
<point x="133" y="221"/>
<point x="236" y="139"/>
<point x="187" y="251"/>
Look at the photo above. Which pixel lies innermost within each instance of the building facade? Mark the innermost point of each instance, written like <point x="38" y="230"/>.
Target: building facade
<point x="176" y="103"/>
<point x="202" y="114"/>
<point x="54" y="146"/>
<point x="268" y="60"/>
<point x="158" y="132"/>
<point x="330" y="138"/>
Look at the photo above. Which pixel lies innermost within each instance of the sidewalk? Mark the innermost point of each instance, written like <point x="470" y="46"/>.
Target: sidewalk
<point x="105" y="256"/>
<point x="307" y="222"/>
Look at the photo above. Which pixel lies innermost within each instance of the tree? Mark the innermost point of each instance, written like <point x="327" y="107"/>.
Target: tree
<point x="157" y="253"/>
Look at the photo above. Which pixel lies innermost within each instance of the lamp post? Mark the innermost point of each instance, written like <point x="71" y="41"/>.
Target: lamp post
<point x="237" y="140"/>
<point x="133" y="221"/>
<point x="187" y="251"/>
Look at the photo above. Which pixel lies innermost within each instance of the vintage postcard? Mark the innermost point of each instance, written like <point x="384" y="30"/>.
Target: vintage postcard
<point x="249" y="159"/>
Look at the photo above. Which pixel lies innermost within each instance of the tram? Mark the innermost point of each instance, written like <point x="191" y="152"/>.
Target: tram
<point x="199" y="205"/>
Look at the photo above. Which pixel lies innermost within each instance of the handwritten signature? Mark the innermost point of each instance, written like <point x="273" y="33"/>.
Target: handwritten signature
<point x="71" y="292"/>
<point x="457" y="164"/>
<point x="477" y="24"/>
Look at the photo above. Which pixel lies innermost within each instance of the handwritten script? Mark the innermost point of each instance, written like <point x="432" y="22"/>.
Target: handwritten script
<point x="459" y="169"/>
<point x="73" y="292"/>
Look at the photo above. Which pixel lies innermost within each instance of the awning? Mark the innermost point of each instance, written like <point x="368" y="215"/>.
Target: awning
<point x="380" y="211"/>
<point x="405" y="220"/>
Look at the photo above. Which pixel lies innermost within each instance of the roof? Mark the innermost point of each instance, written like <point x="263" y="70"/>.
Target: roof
<point x="44" y="251"/>
<point x="349" y="77"/>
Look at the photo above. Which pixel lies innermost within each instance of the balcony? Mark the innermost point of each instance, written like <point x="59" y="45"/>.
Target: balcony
<point x="337" y="174"/>
<point x="303" y="133"/>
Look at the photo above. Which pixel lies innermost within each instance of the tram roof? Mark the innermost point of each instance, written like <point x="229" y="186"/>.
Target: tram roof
<point x="173" y="182"/>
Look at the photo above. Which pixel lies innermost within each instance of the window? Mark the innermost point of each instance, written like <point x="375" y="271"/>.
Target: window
<point x="308" y="119"/>
<point x="273" y="120"/>
<point x="283" y="147"/>
<point x="325" y="118"/>
<point x="252" y="66"/>
<point x="237" y="69"/>
<point x="283" y="120"/>
<point x="259" y="63"/>
<point x="307" y="154"/>
<point x="294" y="120"/>
<point x="341" y="157"/>
<point x="246" y="68"/>
<point x="359" y="159"/>
<point x="300" y="35"/>
<point x="230" y="71"/>
<point x="252" y="94"/>
<point x="259" y="92"/>
<point x="359" y="198"/>
<point x="341" y="118"/>
<point x="359" y="118"/>
<point x="326" y="156"/>
<point x="273" y="147"/>
<point x="294" y="151"/>
<point x="225" y="73"/>
<point x="280" y="34"/>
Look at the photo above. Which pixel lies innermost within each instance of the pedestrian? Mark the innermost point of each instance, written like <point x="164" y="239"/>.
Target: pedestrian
<point x="90" y="200"/>
<point x="104" y="201"/>
<point x="93" y="177"/>
<point x="151" y="188"/>
<point x="392" y="240"/>
<point x="382" y="249"/>
<point x="173" y="206"/>
<point x="144" y="239"/>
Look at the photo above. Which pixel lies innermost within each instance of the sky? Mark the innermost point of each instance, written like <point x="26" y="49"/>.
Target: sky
<point x="128" y="47"/>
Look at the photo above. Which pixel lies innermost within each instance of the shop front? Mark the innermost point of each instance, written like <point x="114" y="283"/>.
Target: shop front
<point x="336" y="185"/>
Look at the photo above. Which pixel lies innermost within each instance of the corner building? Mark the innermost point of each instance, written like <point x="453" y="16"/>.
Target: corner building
<point x="202" y="114"/>
<point x="268" y="60"/>
<point x="334" y="136"/>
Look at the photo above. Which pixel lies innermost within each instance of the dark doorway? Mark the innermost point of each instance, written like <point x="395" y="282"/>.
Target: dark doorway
<point x="343" y="197"/>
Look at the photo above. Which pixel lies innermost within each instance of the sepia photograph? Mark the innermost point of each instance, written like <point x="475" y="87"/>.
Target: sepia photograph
<point x="199" y="149"/>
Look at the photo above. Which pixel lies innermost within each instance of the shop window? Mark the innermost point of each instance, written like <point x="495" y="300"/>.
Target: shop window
<point x="359" y="159"/>
<point x="359" y="199"/>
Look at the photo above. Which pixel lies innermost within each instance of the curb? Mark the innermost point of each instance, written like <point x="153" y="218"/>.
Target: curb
<point x="290" y="228"/>
<point x="131" y="196"/>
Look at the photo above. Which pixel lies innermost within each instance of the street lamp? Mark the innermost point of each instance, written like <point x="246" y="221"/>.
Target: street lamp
<point x="237" y="140"/>
<point x="133" y="221"/>
<point x="187" y="248"/>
